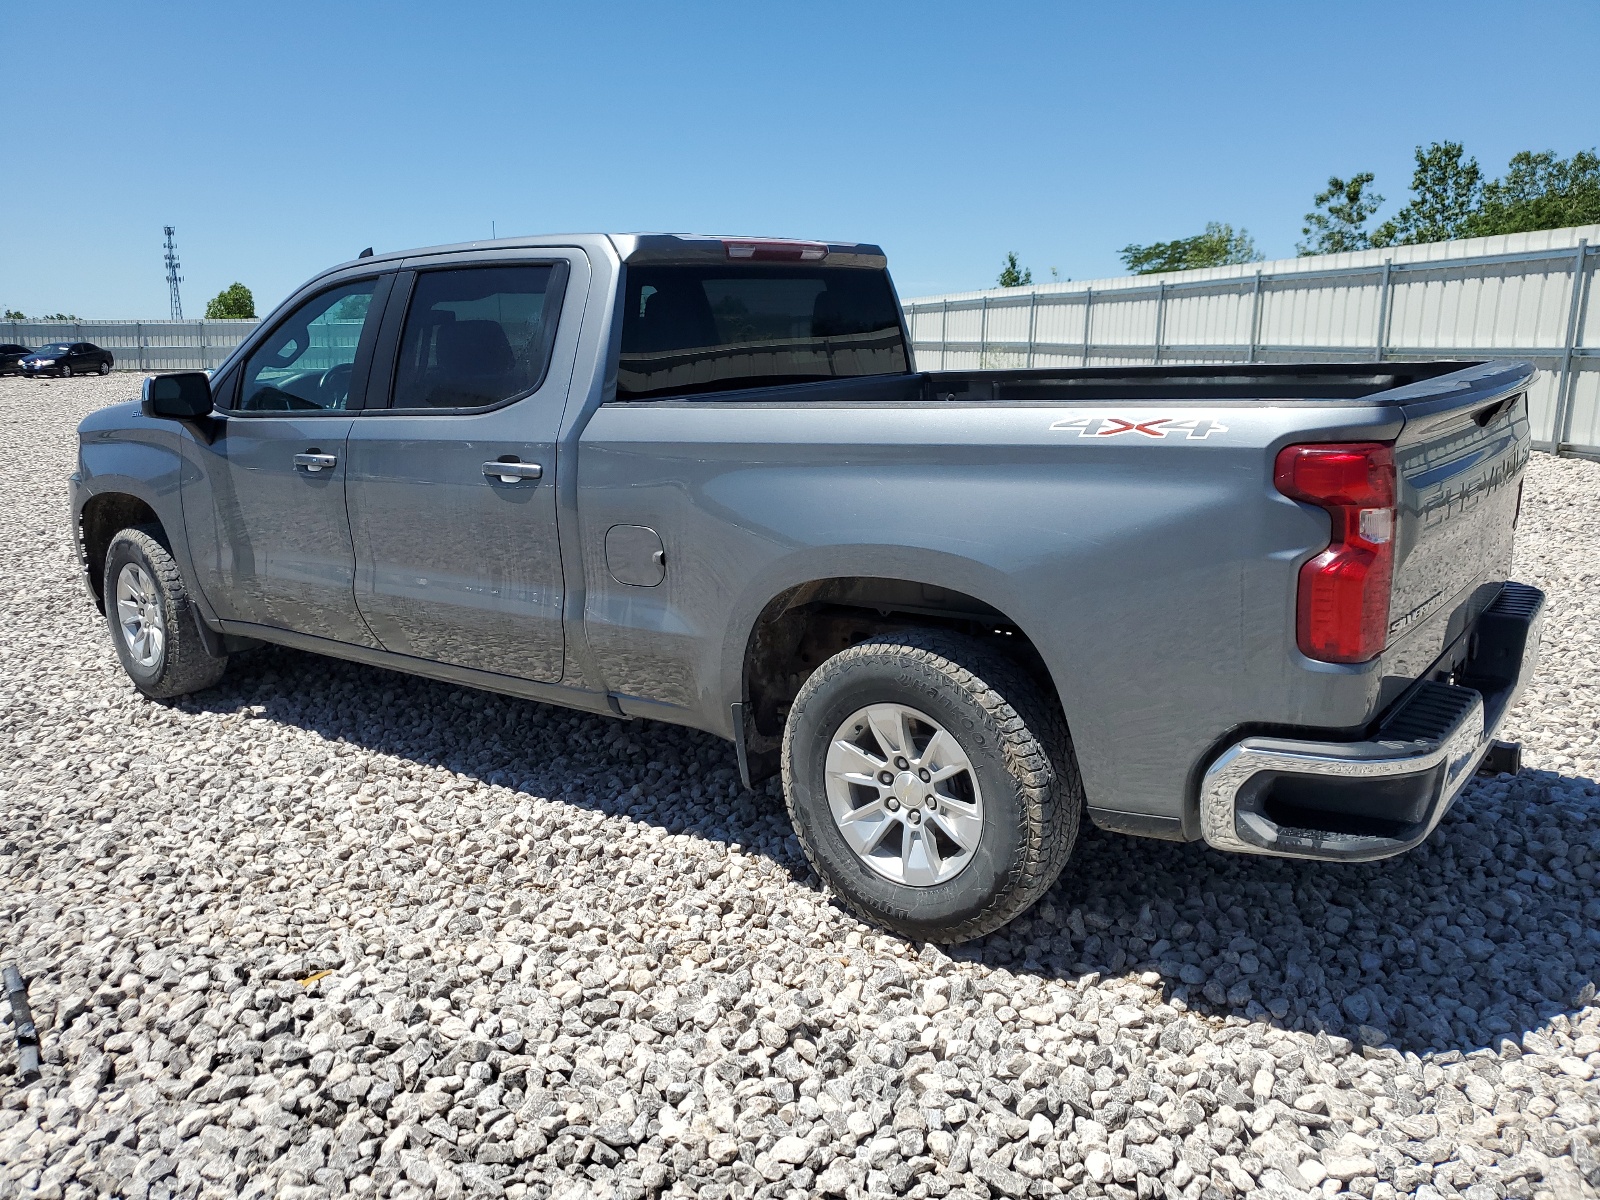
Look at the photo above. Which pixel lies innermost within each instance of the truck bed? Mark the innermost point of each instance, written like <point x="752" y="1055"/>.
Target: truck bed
<point x="1312" y="381"/>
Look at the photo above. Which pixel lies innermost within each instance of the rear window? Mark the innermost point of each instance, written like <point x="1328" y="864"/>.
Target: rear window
<point x="706" y="329"/>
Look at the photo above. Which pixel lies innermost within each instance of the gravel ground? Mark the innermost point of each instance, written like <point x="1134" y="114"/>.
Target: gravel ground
<point x="328" y="930"/>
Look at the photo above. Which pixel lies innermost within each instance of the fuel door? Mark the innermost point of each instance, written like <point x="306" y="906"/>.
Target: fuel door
<point x="635" y="555"/>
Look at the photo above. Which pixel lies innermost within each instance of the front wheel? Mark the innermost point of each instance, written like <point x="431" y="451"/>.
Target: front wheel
<point x="153" y="623"/>
<point x="66" y="371"/>
<point x="931" y="783"/>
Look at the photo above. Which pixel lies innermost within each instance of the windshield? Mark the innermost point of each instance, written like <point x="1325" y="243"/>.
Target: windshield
<point x="54" y="348"/>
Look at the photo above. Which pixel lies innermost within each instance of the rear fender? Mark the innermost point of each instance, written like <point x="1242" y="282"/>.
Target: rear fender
<point x="934" y="568"/>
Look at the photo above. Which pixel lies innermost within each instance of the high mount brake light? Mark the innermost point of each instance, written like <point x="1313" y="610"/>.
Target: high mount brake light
<point x="771" y="250"/>
<point x="1343" y="608"/>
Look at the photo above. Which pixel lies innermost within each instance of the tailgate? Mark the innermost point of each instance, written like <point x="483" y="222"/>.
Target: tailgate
<point x="1459" y="462"/>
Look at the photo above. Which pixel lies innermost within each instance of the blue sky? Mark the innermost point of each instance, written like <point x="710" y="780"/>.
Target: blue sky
<point x="281" y="138"/>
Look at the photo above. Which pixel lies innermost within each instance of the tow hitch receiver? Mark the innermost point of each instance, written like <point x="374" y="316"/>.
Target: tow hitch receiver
<point x="1503" y="758"/>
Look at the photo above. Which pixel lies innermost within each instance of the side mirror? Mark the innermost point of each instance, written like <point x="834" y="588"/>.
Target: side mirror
<point x="181" y="396"/>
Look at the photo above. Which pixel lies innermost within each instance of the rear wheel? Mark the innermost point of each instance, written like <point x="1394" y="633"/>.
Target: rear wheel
<point x="931" y="783"/>
<point x="153" y="623"/>
<point x="104" y="368"/>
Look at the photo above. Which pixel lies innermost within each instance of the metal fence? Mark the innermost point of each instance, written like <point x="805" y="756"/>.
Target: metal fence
<point x="140" y="345"/>
<point x="1520" y="296"/>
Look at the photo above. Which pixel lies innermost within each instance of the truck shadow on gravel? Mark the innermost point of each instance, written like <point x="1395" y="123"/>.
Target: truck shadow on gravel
<point x="1487" y="931"/>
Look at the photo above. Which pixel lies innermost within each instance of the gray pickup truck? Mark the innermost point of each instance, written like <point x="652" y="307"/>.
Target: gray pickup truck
<point x="699" y="480"/>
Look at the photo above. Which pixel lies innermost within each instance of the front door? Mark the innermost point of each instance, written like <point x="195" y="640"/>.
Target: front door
<point x="265" y="502"/>
<point x="451" y="480"/>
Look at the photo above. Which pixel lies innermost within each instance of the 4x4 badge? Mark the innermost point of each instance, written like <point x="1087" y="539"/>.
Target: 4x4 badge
<point x="1194" y="429"/>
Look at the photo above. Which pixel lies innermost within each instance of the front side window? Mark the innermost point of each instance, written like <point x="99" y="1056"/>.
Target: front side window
<point x="475" y="336"/>
<point x="706" y="329"/>
<point x="308" y="361"/>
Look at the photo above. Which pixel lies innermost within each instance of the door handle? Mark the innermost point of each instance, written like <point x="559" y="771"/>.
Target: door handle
<point x="314" y="461"/>
<point x="512" y="472"/>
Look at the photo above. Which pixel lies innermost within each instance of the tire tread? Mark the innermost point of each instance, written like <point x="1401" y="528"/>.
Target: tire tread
<point x="189" y="666"/>
<point x="1035" y="745"/>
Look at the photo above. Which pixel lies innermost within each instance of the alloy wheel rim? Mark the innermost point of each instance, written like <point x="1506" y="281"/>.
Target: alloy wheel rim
<point x="904" y="795"/>
<point x="139" y="615"/>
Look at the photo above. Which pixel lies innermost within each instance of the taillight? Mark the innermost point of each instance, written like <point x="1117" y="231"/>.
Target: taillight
<point x="1344" y="591"/>
<point x="774" y="250"/>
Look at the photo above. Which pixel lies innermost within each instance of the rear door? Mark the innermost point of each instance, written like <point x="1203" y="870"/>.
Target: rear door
<point x="265" y="502"/>
<point x="451" y="484"/>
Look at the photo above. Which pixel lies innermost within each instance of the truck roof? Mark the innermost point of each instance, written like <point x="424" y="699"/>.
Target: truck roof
<point x="658" y="248"/>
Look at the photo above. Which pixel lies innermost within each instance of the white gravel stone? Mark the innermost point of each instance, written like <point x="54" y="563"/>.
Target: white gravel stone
<point x="326" y="930"/>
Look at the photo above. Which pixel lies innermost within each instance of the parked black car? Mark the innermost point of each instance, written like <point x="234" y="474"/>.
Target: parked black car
<point x="68" y="358"/>
<point x="11" y="356"/>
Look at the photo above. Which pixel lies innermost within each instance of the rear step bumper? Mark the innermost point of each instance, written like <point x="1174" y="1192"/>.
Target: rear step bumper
<point x="1356" y="801"/>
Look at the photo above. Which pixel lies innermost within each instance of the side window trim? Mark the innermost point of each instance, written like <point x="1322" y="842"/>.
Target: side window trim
<point x="381" y="402"/>
<point x="386" y="349"/>
<point x="359" y="367"/>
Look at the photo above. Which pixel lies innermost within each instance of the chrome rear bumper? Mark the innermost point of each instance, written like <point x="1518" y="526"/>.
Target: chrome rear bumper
<point x="1356" y="801"/>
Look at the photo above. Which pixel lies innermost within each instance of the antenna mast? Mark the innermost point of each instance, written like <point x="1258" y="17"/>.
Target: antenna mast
<point x="173" y="278"/>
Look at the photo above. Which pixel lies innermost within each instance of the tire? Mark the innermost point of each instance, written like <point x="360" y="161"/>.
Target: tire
<point x="65" y="371"/>
<point x="969" y="874"/>
<point x="144" y="593"/>
<point x="104" y="368"/>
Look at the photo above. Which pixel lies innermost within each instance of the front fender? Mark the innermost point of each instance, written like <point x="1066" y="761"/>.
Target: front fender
<point x="123" y="453"/>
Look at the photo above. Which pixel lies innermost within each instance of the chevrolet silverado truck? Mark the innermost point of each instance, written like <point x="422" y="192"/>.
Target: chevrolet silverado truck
<point x="700" y="480"/>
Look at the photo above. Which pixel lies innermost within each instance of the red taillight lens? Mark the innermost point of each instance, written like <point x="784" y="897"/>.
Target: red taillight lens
<point x="1344" y="591"/>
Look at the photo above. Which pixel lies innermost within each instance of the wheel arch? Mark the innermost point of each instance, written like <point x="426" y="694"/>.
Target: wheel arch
<point x="802" y="623"/>
<point x="104" y="515"/>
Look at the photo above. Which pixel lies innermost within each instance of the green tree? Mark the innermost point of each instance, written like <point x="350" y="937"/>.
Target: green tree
<point x="1338" y="219"/>
<point x="1446" y="189"/>
<point x="1011" y="275"/>
<point x="14" y="315"/>
<point x="1540" y="191"/>
<point x="1218" y="246"/>
<point x="232" y="303"/>
<point x="58" y="317"/>
<point x="351" y="308"/>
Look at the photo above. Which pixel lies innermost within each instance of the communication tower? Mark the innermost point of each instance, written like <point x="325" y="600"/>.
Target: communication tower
<point x="173" y="278"/>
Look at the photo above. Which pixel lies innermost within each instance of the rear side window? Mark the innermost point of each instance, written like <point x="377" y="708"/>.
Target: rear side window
<point x="707" y="329"/>
<point x="476" y="336"/>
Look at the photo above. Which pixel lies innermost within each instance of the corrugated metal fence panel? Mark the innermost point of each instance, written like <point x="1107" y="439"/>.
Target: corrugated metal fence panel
<point x="1585" y="403"/>
<point x="1526" y="296"/>
<point x="140" y="345"/>
<point x="1511" y="305"/>
<point x="1340" y="313"/>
